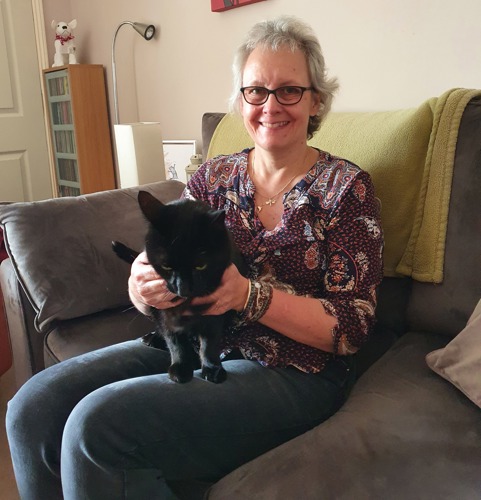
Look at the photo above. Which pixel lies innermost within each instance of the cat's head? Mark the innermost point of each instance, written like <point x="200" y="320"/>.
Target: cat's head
<point x="187" y="244"/>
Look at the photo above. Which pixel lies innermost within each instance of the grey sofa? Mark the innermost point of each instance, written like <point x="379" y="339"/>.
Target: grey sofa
<point x="404" y="433"/>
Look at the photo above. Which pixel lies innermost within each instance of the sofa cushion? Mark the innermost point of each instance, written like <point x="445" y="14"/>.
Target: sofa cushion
<point x="80" y="335"/>
<point x="403" y="433"/>
<point x="61" y="249"/>
<point x="460" y="361"/>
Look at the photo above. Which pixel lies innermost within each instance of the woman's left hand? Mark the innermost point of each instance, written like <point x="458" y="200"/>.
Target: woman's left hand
<point x="231" y="293"/>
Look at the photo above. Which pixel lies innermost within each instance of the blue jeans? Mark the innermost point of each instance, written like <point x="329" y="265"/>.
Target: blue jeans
<point x="111" y="425"/>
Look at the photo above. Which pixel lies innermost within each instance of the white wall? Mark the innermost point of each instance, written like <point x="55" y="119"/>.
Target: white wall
<point x="386" y="54"/>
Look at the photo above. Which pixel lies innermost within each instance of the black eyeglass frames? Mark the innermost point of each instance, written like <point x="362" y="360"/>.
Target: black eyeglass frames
<point x="287" y="95"/>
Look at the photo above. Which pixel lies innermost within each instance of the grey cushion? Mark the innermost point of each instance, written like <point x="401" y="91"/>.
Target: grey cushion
<point x="61" y="249"/>
<point x="404" y="433"/>
<point x="76" y="336"/>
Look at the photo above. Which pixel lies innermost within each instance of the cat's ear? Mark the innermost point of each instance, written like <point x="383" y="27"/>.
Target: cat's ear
<point x="151" y="207"/>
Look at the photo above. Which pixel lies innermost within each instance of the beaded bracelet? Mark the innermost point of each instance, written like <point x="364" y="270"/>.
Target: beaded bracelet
<point x="258" y="301"/>
<point x="249" y="293"/>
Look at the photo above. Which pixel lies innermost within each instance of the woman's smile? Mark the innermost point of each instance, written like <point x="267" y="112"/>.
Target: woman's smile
<point x="274" y="124"/>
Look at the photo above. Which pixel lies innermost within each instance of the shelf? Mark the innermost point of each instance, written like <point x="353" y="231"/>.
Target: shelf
<point x="80" y="130"/>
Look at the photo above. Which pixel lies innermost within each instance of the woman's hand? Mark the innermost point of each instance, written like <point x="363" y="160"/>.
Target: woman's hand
<point x="147" y="289"/>
<point x="231" y="293"/>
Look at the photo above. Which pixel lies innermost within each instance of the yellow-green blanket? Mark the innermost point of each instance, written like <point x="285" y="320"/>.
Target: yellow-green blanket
<point x="424" y="255"/>
<point x="410" y="156"/>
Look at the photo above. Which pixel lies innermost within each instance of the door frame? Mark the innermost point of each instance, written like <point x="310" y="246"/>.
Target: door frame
<point x="40" y="38"/>
<point x="42" y="57"/>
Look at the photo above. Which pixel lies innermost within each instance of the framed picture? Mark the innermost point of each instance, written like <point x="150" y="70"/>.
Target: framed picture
<point x="177" y="157"/>
<point x="221" y="5"/>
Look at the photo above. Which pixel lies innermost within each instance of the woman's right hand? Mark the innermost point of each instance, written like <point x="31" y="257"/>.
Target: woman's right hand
<point x="147" y="289"/>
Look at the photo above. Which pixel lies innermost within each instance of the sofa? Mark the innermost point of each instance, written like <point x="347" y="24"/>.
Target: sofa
<point x="411" y="427"/>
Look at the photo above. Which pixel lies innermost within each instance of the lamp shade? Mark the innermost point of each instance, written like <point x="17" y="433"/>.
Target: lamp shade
<point x="146" y="30"/>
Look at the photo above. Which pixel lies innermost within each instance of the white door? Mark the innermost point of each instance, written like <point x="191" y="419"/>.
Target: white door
<point x="24" y="161"/>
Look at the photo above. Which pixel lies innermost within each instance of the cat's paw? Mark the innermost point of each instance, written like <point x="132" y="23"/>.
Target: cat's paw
<point x="180" y="373"/>
<point x="215" y="374"/>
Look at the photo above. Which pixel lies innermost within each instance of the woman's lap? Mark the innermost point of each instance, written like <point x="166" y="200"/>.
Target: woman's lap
<point x="124" y="411"/>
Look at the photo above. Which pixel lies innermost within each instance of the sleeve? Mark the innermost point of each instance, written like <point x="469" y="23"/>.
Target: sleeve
<point x="354" y="265"/>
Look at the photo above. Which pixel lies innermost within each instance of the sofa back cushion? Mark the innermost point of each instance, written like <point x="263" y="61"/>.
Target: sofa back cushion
<point x="391" y="146"/>
<point x="61" y="249"/>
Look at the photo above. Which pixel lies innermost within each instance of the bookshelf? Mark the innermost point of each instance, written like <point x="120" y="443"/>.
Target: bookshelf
<point x="79" y="129"/>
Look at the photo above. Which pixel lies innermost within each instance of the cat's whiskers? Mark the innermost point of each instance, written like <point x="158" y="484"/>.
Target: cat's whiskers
<point x="128" y="309"/>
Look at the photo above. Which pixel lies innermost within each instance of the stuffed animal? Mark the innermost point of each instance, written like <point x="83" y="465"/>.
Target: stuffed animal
<point x="64" y="45"/>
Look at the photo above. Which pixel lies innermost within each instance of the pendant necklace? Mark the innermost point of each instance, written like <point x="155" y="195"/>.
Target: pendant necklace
<point x="270" y="200"/>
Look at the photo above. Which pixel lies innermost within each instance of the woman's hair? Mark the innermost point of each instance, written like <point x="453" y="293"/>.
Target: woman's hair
<point x="287" y="31"/>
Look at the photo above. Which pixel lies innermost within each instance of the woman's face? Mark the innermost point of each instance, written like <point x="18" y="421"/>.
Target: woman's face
<point x="273" y="126"/>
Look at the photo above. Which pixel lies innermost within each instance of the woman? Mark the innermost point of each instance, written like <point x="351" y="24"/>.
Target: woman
<point x="110" y="424"/>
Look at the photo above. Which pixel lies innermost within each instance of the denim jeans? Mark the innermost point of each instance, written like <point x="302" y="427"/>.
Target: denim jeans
<point x="111" y="425"/>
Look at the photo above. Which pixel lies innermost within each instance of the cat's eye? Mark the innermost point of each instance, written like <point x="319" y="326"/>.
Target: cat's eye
<point x="165" y="268"/>
<point x="201" y="267"/>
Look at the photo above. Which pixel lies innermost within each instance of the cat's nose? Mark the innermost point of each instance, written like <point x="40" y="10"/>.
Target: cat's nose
<point x="182" y="288"/>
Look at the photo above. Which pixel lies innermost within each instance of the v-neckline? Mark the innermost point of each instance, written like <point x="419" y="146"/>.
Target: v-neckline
<point x="251" y="190"/>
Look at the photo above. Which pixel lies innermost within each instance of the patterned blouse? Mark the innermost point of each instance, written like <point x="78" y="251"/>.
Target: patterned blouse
<point x="328" y="245"/>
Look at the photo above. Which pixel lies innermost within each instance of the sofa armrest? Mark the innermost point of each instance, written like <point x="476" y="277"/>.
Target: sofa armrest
<point x="26" y="343"/>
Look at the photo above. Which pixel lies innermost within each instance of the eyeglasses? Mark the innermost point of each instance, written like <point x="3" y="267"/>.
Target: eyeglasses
<point x="288" y="95"/>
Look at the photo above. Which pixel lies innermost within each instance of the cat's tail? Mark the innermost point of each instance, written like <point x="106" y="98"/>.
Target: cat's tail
<point x="124" y="252"/>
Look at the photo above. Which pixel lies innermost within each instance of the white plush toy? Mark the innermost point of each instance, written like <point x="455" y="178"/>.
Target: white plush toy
<point x="63" y="43"/>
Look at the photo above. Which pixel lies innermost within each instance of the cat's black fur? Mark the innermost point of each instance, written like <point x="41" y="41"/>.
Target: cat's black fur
<point x="189" y="246"/>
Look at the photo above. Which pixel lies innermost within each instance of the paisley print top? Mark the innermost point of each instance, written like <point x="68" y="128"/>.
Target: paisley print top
<point x="328" y="245"/>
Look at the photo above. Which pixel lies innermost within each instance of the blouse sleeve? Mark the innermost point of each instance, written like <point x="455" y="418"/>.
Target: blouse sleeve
<point x="354" y="265"/>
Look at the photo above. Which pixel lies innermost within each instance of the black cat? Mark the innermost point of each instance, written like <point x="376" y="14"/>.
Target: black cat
<point x="189" y="247"/>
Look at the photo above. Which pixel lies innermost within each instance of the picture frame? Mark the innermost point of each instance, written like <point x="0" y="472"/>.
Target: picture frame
<point x="222" y="5"/>
<point x="177" y="157"/>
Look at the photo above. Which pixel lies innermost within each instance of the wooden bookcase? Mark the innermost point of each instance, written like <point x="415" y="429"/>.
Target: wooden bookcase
<point x="79" y="128"/>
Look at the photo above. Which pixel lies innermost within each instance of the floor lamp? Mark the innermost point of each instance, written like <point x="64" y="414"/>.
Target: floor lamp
<point x="140" y="155"/>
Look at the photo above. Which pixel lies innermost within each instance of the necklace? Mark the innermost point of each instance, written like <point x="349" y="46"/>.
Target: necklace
<point x="272" y="199"/>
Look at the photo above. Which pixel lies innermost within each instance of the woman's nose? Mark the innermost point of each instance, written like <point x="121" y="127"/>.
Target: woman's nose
<point x="272" y="103"/>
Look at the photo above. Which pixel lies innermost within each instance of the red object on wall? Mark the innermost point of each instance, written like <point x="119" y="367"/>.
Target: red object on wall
<point x="3" y="251"/>
<point x="221" y="5"/>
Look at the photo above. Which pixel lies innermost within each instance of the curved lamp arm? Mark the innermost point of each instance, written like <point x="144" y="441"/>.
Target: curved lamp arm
<point x="147" y="31"/>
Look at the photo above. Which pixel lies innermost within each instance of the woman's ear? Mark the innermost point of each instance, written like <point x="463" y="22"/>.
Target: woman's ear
<point x="317" y="103"/>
